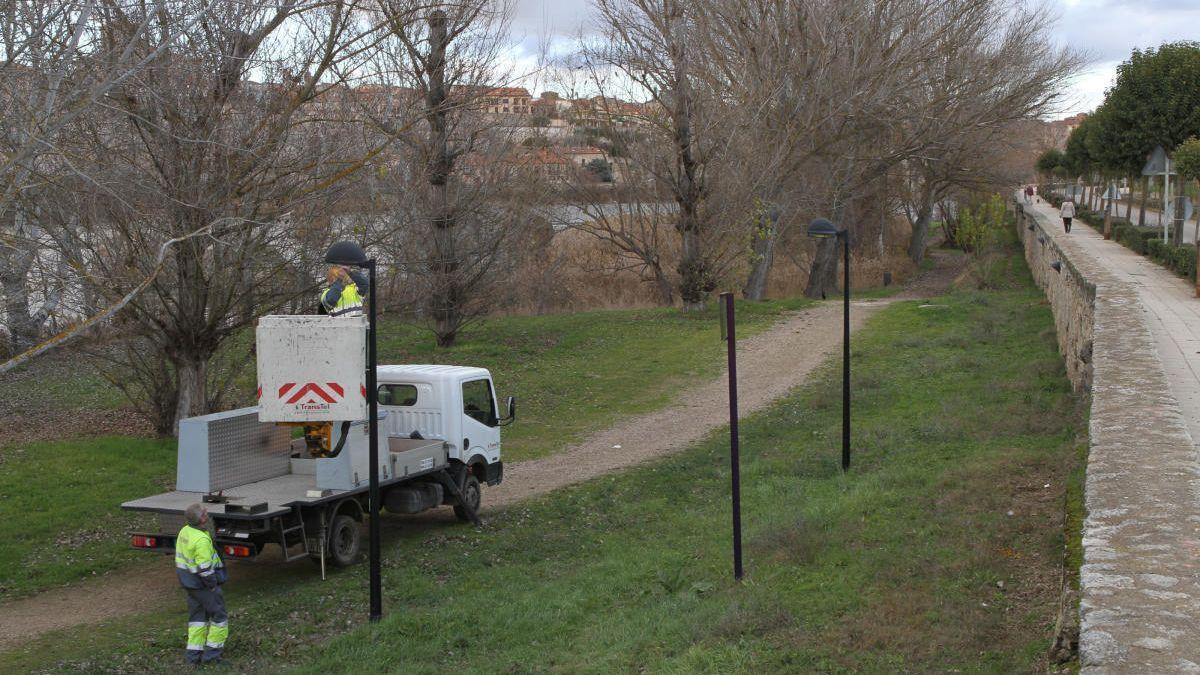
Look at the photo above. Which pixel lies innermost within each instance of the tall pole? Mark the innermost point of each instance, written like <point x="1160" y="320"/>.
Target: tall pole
<point x="734" y="459"/>
<point x="373" y="445"/>
<point x="845" y="236"/>
<point x="1166" y="194"/>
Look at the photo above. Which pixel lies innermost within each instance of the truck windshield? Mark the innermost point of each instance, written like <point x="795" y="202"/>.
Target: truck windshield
<point x="478" y="402"/>
<point x="397" y="394"/>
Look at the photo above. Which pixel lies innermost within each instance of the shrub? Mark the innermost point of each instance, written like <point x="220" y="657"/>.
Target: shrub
<point x="1183" y="260"/>
<point x="1154" y="249"/>
<point x="1134" y="237"/>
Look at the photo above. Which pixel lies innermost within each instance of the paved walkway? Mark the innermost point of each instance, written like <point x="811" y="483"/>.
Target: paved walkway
<point x="1169" y="302"/>
<point x="1140" y="578"/>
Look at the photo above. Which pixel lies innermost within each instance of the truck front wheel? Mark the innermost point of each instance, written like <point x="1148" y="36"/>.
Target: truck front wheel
<point x="345" y="541"/>
<point x="472" y="495"/>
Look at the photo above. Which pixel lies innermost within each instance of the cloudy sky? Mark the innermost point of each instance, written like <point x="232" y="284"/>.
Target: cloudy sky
<point x="1106" y="29"/>
<point x="1109" y="29"/>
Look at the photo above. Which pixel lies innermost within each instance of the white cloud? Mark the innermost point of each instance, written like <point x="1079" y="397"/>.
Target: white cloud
<point x="1107" y="30"/>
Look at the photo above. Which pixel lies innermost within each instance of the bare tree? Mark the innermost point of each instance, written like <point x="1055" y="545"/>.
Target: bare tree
<point x="846" y="92"/>
<point x="452" y="209"/>
<point x="57" y="65"/>
<point x="193" y="145"/>
<point x="651" y="43"/>
<point x="999" y="69"/>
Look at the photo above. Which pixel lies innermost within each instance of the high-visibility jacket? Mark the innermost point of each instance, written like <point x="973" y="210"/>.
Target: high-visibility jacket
<point x="343" y="299"/>
<point x="196" y="559"/>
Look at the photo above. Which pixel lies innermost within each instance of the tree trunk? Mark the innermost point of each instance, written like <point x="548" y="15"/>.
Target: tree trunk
<point x="920" y="233"/>
<point x="445" y="299"/>
<point x="695" y="277"/>
<point x="822" y="276"/>
<point x="762" y="247"/>
<point x="666" y="290"/>
<point x="191" y="373"/>
<point x="1129" y="203"/>
<point x="1145" y="196"/>
<point x="1177" y="219"/>
<point x="24" y="329"/>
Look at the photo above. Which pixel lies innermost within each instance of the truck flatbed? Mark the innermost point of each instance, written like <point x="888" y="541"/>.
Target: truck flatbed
<point x="280" y="493"/>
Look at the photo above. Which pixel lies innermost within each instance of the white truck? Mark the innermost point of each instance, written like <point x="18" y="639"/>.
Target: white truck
<point x="439" y="442"/>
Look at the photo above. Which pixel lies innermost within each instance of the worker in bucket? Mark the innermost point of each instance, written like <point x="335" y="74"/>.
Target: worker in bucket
<point x="201" y="572"/>
<point x="344" y="297"/>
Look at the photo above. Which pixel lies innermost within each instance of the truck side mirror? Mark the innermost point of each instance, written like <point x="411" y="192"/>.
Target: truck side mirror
<point x="512" y="411"/>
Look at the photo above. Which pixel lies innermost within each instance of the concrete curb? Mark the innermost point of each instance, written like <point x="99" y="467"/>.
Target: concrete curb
<point x="1140" y="580"/>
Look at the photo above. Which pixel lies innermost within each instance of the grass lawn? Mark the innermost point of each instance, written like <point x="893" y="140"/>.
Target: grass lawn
<point x="941" y="549"/>
<point x="60" y="517"/>
<point x="572" y="374"/>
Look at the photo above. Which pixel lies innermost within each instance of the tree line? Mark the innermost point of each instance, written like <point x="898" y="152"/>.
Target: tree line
<point x="1154" y="102"/>
<point x="173" y="169"/>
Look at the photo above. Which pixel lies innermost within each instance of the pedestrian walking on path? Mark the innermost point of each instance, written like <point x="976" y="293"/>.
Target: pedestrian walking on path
<point x="1067" y="212"/>
<point x="1028" y="194"/>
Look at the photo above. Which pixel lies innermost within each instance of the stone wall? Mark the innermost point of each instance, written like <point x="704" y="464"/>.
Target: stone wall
<point x="1140" y="579"/>
<point x="1072" y="297"/>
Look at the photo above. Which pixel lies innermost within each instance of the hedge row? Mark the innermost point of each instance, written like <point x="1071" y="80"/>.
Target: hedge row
<point x="1179" y="259"/>
<point x="1133" y="237"/>
<point x="1146" y="241"/>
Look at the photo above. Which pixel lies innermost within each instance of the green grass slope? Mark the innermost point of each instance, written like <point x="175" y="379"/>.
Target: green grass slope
<point x="572" y="373"/>
<point x="59" y="515"/>
<point x="941" y="549"/>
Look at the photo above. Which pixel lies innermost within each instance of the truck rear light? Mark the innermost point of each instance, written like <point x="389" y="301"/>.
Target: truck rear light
<point x="236" y="551"/>
<point x="142" y="541"/>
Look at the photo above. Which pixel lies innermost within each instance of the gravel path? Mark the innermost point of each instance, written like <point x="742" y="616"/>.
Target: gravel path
<point x="769" y="365"/>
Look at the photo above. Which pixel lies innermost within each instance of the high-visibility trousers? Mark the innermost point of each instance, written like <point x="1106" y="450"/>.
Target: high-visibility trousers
<point x="208" y="625"/>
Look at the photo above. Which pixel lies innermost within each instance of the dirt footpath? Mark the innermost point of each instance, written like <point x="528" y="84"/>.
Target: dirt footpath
<point x="769" y="365"/>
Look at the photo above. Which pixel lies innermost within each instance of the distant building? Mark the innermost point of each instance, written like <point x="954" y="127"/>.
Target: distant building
<point x="1057" y="132"/>
<point x="551" y="105"/>
<point x="508" y="102"/>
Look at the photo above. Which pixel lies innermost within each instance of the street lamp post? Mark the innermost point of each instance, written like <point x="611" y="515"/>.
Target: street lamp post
<point x="351" y="254"/>
<point x="823" y="229"/>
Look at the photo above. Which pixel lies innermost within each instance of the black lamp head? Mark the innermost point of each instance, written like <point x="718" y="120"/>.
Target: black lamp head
<point x="822" y="229"/>
<point x="346" y="253"/>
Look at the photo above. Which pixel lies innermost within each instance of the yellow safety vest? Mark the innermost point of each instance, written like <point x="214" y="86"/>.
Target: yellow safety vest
<point x="196" y="559"/>
<point x="349" y="304"/>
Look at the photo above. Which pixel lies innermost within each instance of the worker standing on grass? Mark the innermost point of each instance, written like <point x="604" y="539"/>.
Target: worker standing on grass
<point x="201" y="572"/>
<point x="344" y="297"/>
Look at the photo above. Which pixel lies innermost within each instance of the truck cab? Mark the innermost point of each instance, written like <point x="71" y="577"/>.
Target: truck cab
<point x="454" y="404"/>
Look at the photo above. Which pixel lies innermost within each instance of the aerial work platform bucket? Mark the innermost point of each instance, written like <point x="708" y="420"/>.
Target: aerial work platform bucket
<point x="311" y="368"/>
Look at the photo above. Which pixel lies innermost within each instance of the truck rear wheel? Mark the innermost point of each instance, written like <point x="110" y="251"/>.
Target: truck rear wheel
<point x="345" y="541"/>
<point x="473" y="496"/>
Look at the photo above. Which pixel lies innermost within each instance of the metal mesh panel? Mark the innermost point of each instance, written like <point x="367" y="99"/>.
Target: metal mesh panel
<point x="243" y="450"/>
